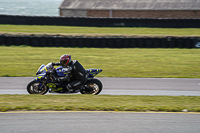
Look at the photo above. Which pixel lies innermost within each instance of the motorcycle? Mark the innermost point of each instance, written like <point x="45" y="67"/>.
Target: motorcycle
<point x="44" y="82"/>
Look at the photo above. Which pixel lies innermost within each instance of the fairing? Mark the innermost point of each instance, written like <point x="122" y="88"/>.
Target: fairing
<point x="41" y="73"/>
<point x="93" y="72"/>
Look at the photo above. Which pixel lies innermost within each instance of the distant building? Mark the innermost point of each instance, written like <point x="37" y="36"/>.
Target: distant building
<point x="131" y="8"/>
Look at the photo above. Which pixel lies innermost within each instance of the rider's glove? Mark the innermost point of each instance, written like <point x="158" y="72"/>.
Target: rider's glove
<point x="53" y="64"/>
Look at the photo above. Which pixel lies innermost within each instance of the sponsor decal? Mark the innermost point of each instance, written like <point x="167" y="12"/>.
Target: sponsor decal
<point x="77" y="84"/>
<point x="80" y="74"/>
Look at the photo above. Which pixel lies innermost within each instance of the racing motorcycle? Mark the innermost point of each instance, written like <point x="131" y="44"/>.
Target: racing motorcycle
<point x="44" y="82"/>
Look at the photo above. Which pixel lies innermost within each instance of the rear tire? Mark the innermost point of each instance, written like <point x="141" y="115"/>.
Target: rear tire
<point x="93" y="87"/>
<point x="34" y="88"/>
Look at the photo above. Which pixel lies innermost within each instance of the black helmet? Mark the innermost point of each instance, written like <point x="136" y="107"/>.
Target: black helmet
<point x="65" y="60"/>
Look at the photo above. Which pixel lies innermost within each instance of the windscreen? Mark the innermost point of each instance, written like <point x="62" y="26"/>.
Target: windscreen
<point x="46" y="68"/>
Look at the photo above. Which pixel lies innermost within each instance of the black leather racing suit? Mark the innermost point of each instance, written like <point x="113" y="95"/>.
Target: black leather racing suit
<point x="76" y="73"/>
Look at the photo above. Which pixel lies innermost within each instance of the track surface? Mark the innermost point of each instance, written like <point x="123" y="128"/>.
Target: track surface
<point x="99" y="122"/>
<point x="120" y="86"/>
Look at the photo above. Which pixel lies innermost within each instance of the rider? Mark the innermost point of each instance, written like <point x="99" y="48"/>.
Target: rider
<point x="75" y="72"/>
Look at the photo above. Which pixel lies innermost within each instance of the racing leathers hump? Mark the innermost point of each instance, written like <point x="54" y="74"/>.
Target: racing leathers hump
<point x="75" y="70"/>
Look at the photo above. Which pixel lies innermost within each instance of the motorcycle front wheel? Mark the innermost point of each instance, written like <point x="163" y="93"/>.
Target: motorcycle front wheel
<point x="35" y="87"/>
<point x="93" y="87"/>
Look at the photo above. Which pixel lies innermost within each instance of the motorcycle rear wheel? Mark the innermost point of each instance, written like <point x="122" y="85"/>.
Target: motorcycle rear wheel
<point x="93" y="87"/>
<point x="34" y="88"/>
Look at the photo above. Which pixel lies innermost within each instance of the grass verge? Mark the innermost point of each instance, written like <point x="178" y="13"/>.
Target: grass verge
<point x="98" y="31"/>
<point x="98" y="103"/>
<point x="129" y="62"/>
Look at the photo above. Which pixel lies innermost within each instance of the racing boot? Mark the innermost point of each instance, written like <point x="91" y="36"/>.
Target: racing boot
<point x="69" y="88"/>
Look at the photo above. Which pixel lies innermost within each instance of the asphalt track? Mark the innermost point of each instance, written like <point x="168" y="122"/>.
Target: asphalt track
<point x="120" y="86"/>
<point x="99" y="122"/>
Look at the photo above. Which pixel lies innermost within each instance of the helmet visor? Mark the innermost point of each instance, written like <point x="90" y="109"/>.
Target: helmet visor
<point x="64" y="63"/>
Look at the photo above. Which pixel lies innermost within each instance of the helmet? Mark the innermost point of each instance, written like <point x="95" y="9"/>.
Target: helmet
<point x="65" y="60"/>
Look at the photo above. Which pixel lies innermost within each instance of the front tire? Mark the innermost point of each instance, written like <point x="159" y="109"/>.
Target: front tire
<point x="93" y="87"/>
<point x="34" y="87"/>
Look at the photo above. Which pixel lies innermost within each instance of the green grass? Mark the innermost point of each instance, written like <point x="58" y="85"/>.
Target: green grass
<point x="99" y="31"/>
<point x="130" y="62"/>
<point x="98" y="103"/>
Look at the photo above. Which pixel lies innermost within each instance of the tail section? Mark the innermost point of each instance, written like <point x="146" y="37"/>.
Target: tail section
<point x="93" y="72"/>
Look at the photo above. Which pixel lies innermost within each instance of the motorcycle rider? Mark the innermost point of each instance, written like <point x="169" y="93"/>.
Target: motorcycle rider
<point x="75" y="72"/>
